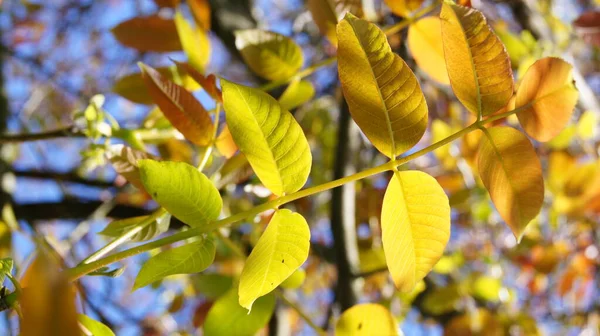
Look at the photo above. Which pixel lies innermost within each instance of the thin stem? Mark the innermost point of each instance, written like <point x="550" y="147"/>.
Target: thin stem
<point x="405" y="23"/>
<point x="59" y="133"/>
<point x="302" y="314"/>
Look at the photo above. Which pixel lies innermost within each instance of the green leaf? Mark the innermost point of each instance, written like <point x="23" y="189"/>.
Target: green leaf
<point x="190" y="258"/>
<point x="281" y="249"/>
<point x="94" y="327"/>
<point x="296" y="94"/>
<point x="415" y="226"/>
<point x="180" y="188"/>
<point x="213" y="285"/>
<point x="269" y="136"/>
<point x="6" y="266"/>
<point x="227" y="317"/>
<point x="270" y="55"/>
<point x="105" y="271"/>
<point x="366" y="319"/>
<point x="383" y="94"/>
<point x="195" y="42"/>
<point x="118" y="227"/>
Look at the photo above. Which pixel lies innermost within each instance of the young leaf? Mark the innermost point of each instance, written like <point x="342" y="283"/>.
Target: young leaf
<point x="151" y="33"/>
<point x="227" y="317"/>
<point x="415" y="226"/>
<point x="201" y="11"/>
<point x="181" y="189"/>
<point x="512" y="173"/>
<point x="179" y="106"/>
<point x="6" y="266"/>
<point x="94" y="327"/>
<point x="478" y="64"/>
<point x="403" y="7"/>
<point x="270" y="55"/>
<point x="366" y="319"/>
<point x="296" y="94"/>
<point x="124" y="161"/>
<point x="383" y="94"/>
<point x="195" y="42"/>
<point x="425" y="45"/>
<point x="187" y="259"/>
<point x="118" y="227"/>
<point x="549" y="95"/>
<point x="208" y="83"/>
<point x="281" y="249"/>
<point x="269" y="136"/>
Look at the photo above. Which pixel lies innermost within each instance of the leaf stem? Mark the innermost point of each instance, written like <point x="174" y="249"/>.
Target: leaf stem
<point x="302" y="314"/>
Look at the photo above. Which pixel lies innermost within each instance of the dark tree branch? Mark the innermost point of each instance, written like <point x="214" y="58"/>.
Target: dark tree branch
<point x="68" y="132"/>
<point x="70" y="177"/>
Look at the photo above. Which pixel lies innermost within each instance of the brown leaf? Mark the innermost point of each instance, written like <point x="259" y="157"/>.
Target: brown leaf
<point x="124" y="160"/>
<point x="201" y="11"/>
<point x="150" y="33"/>
<point x="208" y="83"/>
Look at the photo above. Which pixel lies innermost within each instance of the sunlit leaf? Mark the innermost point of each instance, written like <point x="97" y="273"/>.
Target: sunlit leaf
<point x="443" y="300"/>
<point x="296" y="94"/>
<point x="6" y="266"/>
<point x="549" y="95"/>
<point x="415" y="226"/>
<point x="118" y="227"/>
<point x="477" y="322"/>
<point x="150" y="33"/>
<point x="512" y="173"/>
<point x="587" y="126"/>
<point x="426" y="47"/>
<point x="227" y="317"/>
<point x="124" y="161"/>
<point x="295" y="280"/>
<point x="185" y="192"/>
<point x="487" y="288"/>
<point x="225" y="143"/>
<point x="383" y="94"/>
<point x="269" y="54"/>
<point x="403" y="7"/>
<point x="366" y="319"/>
<point x="179" y="106"/>
<point x="208" y="83"/>
<point x="269" y="136"/>
<point x="195" y="42"/>
<point x="325" y="17"/>
<point x="201" y="11"/>
<point x="478" y="64"/>
<point x="281" y="249"/>
<point x="187" y="259"/>
<point x="94" y="327"/>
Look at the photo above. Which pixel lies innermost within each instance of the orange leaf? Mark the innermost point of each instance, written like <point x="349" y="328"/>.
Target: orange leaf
<point x="426" y="47"/>
<point x="208" y="83"/>
<point x="225" y="143"/>
<point x="150" y="33"/>
<point x="201" y="11"/>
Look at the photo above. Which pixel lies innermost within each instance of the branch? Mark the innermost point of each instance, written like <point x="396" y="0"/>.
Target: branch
<point x="70" y="177"/>
<point x="69" y="132"/>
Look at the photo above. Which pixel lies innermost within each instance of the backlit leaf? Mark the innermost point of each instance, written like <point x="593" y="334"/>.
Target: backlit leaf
<point x="180" y="188"/>
<point x="548" y="92"/>
<point x="383" y="94"/>
<point x="415" y="226"/>
<point x="118" y="227"/>
<point x="195" y="42"/>
<point x="511" y="172"/>
<point x="94" y="327"/>
<point x="225" y="143"/>
<point x="179" y="106"/>
<point x="212" y="285"/>
<point x="6" y="266"/>
<point x="187" y="259"/>
<point x="426" y="47"/>
<point x="269" y="136"/>
<point x="325" y="17"/>
<point x="124" y="161"/>
<point x="296" y="94"/>
<point x="478" y="64"/>
<point x="208" y="83"/>
<point x="366" y="319"/>
<point x="281" y="249"/>
<point x="270" y="55"/>
<point x="227" y="317"/>
<point x="150" y="33"/>
<point x="403" y="7"/>
<point x="201" y="11"/>
<point x="295" y="280"/>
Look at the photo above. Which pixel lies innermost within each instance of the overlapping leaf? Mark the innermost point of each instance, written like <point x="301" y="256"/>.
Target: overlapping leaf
<point x="269" y="136"/>
<point x="415" y="226"/>
<point x="478" y="64"/>
<point x="179" y="106"/>
<point x="124" y="161"/>
<point x="151" y="33"/>
<point x="325" y="17"/>
<point x="548" y="93"/>
<point x="208" y="83"/>
<point x="94" y="327"/>
<point x="512" y="173"/>
<point x="187" y="259"/>
<point x="281" y="249"/>
<point x="201" y="11"/>
<point x="195" y="42"/>
<point x="182" y="190"/>
<point x="366" y="319"/>
<point x="426" y="47"/>
<point x="118" y="227"/>
<point x="383" y="94"/>
<point x="403" y="7"/>
<point x="296" y="94"/>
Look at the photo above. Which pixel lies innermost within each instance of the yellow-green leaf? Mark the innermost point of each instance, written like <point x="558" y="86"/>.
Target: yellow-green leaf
<point x="325" y="17"/>
<point x="227" y="317"/>
<point x="587" y="126"/>
<point x="512" y="173"/>
<point x="119" y="227"/>
<point x="281" y="249"/>
<point x="383" y="94"/>
<point x="96" y="328"/>
<point x="182" y="190"/>
<point x="403" y="7"/>
<point x="549" y="95"/>
<point x="366" y="319"/>
<point x="295" y="280"/>
<point x="195" y="42"/>
<point x="180" y="107"/>
<point x="270" y="55"/>
<point x="150" y="33"/>
<point x="415" y="226"/>
<point x="187" y="259"/>
<point x="269" y="136"/>
<point x="296" y="94"/>
<point x="425" y="45"/>
<point x="478" y="64"/>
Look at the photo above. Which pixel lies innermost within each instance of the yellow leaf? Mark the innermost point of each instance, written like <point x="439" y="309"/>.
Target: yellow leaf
<point x="269" y="136"/>
<point x="281" y="249"/>
<point x="549" y="97"/>
<point x="201" y="11"/>
<point x="587" y="126"/>
<point x="383" y="94"/>
<point x="150" y="33"/>
<point x="296" y="94"/>
<point x="478" y="64"/>
<point x="403" y="7"/>
<point x="225" y="143"/>
<point x="426" y="47"/>
<point x="270" y="55"/>
<point x="415" y="226"/>
<point x="366" y="319"/>
<point x="195" y="42"/>
<point x="512" y="173"/>
<point x="325" y="17"/>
